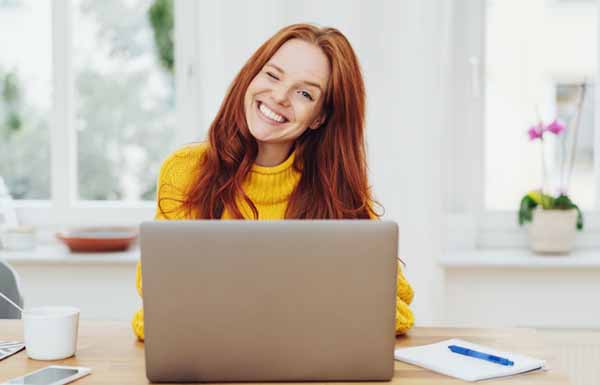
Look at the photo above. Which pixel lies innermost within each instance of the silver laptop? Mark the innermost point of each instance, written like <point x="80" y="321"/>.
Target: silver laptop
<point x="250" y="301"/>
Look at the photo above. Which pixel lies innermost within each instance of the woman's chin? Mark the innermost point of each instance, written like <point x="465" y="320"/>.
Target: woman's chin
<point x="262" y="134"/>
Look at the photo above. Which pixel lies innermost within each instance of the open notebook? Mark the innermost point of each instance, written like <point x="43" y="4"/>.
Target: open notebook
<point x="439" y="358"/>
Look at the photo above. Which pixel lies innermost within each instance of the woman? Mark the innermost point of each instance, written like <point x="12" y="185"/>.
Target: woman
<point x="287" y="143"/>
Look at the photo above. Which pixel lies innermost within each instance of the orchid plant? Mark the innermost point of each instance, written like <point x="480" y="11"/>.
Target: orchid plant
<point x="540" y="197"/>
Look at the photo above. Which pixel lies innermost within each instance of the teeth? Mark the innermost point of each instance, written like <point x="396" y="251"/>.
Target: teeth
<point x="270" y="114"/>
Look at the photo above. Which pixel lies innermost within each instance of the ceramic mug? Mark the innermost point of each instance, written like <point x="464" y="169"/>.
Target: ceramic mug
<point x="50" y="332"/>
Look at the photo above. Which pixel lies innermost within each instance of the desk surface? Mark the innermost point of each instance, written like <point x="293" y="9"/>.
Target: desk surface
<point x="115" y="357"/>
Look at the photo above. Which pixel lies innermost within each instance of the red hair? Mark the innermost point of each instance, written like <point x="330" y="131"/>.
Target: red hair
<point x="331" y="159"/>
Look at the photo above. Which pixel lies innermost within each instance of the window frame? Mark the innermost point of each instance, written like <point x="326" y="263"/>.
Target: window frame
<point x="469" y="225"/>
<point x="63" y="207"/>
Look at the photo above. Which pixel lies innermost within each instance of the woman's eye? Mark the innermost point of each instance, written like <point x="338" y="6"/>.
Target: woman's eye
<point x="272" y="76"/>
<point x="306" y="95"/>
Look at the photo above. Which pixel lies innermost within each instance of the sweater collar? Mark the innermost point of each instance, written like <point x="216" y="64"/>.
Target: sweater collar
<point x="270" y="185"/>
<point x="281" y="167"/>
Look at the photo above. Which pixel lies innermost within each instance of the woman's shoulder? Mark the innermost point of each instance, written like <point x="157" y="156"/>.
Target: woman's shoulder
<point x="177" y="173"/>
<point x="179" y="169"/>
<point x="180" y="165"/>
<point x="190" y="153"/>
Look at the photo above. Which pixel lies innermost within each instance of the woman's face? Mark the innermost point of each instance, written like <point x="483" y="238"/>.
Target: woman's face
<point x="286" y="96"/>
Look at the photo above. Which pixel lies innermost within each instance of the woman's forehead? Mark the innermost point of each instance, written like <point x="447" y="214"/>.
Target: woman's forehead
<point x="302" y="61"/>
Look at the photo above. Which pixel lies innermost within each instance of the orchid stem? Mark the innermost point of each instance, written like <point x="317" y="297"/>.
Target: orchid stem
<point x="541" y="124"/>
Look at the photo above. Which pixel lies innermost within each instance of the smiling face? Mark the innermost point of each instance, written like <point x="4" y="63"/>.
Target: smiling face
<point x="286" y="97"/>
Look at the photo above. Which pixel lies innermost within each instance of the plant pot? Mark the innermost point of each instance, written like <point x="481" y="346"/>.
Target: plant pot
<point x="552" y="231"/>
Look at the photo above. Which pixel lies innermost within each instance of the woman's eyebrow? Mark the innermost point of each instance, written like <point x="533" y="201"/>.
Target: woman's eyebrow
<point x="309" y="83"/>
<point x="276" y="67"/>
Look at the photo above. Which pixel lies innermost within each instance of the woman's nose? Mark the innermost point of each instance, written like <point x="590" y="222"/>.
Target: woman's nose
<point x="280" y="95"/>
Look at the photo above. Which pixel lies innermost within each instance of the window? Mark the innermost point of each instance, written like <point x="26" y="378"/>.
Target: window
<point x="514" y="62"/>
<point x="536" y="54"/>
<point x="124" y="96"/>
<point x="568" y="96"/>
<point x="25" y="97"/>
<point x="92" y="99"/>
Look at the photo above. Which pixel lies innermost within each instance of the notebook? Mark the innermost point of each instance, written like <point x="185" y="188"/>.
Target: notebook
<point x="438" y="358"/>
<point x="8" y="348"/>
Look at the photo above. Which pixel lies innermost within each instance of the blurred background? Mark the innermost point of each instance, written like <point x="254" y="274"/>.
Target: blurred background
<point x="94" y="95"/>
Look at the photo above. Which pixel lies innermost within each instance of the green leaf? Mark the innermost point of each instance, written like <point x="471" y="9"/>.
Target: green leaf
<point x="526" y="209"/>
<point x="579" y="218"/>
<point x="546" y="201"/>
<point x="562" y="202"/>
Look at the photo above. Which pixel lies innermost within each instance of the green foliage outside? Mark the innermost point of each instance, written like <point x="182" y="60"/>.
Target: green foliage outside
<point x="24" y="138"/>
<point x="11" y="98"/>
<point x="162" y="22"/>
<point x="117" y="118"/>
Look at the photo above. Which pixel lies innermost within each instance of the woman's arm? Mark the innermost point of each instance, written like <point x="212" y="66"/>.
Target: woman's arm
<point x="175" y="174"/>
<point x="404" y="296"/>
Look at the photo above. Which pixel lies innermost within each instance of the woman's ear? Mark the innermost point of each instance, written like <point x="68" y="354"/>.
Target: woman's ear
<point x="317" y="123"/>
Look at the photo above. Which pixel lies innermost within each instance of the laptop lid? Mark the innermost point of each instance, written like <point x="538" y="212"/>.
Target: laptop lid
<point x="292" y="300"/>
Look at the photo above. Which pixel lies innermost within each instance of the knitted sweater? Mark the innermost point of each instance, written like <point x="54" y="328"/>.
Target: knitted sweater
<point x="269" y="188"/>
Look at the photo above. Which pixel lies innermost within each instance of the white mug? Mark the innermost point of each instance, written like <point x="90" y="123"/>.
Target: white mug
<point x="50" y="332"/>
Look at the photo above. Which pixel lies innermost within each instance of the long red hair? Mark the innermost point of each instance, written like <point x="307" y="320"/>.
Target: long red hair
<point x="331" y="159"/>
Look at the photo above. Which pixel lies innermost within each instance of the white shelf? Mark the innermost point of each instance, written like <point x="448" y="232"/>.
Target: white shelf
<point x="519" y="258"/>
<point x="58" y="254"/>
<point x="454" y="259"/>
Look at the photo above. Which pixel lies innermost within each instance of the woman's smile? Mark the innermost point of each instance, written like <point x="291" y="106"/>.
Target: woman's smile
<point x="269" y="116"/>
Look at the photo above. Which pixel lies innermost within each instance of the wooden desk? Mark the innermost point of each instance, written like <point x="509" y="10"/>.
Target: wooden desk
<point x="114" y="355"/>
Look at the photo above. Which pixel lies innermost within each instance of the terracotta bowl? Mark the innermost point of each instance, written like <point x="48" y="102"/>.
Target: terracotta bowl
<point x="96" y="239"/>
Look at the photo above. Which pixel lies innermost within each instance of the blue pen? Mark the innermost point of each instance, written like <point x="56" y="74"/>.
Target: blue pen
<point x="481" y="356"/>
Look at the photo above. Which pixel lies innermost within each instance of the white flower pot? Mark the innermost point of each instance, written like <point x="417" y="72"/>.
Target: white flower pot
<point x="552" y="231"/>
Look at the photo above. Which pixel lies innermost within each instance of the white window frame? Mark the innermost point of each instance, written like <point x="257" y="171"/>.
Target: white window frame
<point x="63" y="207"/>
<point x="469" y="224"/>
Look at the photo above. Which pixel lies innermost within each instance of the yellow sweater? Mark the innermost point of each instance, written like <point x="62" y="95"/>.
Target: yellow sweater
<point x="269" y="188"/>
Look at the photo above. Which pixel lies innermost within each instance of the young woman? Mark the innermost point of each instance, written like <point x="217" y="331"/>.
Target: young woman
<point x="287" y="143"/>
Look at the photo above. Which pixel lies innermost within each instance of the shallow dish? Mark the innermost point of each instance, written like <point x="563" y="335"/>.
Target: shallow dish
<point x="95" y="239"/>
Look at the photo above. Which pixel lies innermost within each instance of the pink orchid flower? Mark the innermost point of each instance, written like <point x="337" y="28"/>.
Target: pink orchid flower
<point x="555" y="127"/>
<point x="536" y="132"/>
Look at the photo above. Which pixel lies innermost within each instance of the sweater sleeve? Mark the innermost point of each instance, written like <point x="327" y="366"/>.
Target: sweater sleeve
<point x="404" y="296"/>
<point x="137" y="323"/>
<point x="175" y="173"/>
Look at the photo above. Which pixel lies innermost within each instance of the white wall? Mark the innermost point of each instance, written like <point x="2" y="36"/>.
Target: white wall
<point x="522" y="297"/>
<point x="405" y="134"/>
<point x="399" y="47"/>
<point x="101" y="290"/>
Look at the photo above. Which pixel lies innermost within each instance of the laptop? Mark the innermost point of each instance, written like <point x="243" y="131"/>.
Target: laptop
<point x="250" y="301"/>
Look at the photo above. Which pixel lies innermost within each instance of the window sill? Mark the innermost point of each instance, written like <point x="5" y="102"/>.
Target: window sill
<point x="58" y="254"/>
<point x="51" y="254"/>
<point x="519" y="259"/>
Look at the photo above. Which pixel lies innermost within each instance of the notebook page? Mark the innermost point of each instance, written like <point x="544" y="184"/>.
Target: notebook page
<point x="438" y="358"/>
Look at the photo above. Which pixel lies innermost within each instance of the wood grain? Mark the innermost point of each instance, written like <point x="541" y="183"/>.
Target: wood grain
<point x="114" y="355"/>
